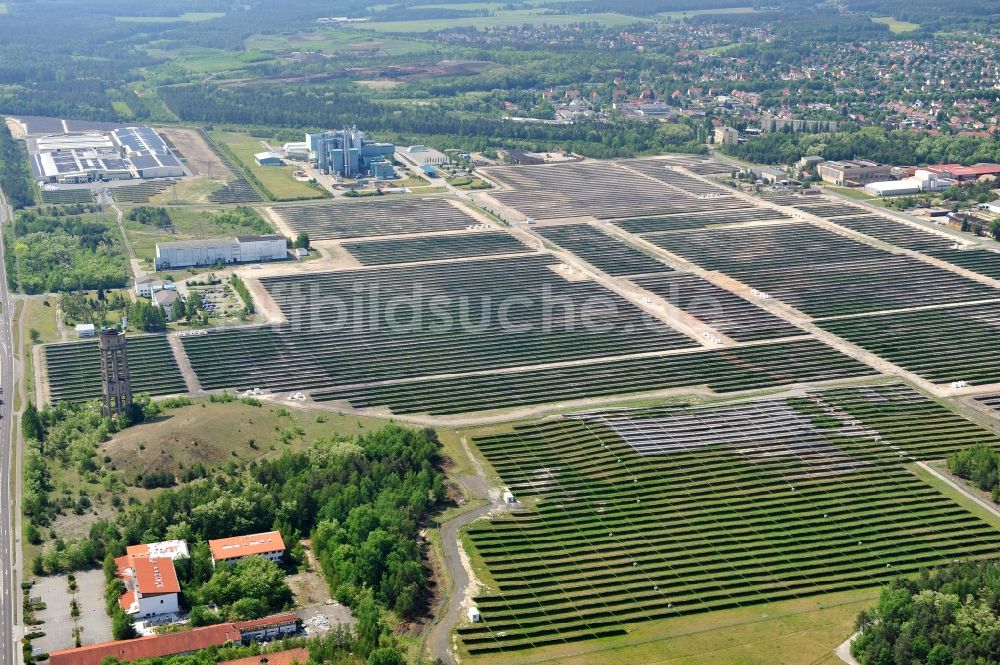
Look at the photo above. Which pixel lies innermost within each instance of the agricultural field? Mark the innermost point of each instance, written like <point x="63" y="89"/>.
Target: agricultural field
<point x="394" y="323"/>
<point x="377" y="217"/>
<point x="722" y="310"/>
<point x="641" y="515"/>
<point x="895" y="25"/>
<point x="941" y="345"/>
<point x="435" y="248"/>
<point x="74" y="368"/>
<point x="277" y="180"/>
<point x="719" y="370"/>
<point x="604" y="252"/>
<point x="601" y="190"/>
<point x="821" y="273"/>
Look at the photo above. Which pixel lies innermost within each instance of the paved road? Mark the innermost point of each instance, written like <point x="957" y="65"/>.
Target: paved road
<point x="9" y="649"/>
<point x="476" y="487"/>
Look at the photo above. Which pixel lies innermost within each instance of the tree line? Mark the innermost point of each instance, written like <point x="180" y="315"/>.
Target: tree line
<point x="15" y="175"/>
<point x="899" y="147"/>
<point x="947" y="616"/>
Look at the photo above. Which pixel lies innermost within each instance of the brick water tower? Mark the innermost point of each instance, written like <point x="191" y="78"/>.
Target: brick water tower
<point x="116" y="388"/>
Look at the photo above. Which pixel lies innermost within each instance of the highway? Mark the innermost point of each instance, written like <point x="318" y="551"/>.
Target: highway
<point x="10" y="654"/>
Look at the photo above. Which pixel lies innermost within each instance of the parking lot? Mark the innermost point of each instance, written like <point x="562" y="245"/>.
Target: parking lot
<point x="58" y="623"/>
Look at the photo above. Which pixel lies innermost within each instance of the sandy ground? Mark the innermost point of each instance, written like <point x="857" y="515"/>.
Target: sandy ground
<point x="17" y="129"/>
<point x="200" y="158"/>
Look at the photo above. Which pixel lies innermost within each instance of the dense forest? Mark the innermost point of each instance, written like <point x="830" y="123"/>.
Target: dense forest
<point x="948" y="616"/>
<point x="979" y="464"/>
<point x="63" y="253"/>
<point x="874" y="143"/>
<point x="305" y="107"/>
<point x="15" y="175"/>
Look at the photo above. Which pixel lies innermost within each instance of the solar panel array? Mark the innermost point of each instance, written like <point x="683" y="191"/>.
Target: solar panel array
<point x="722" y="310"/>
<point x="601" y="190"/>
<point x="602" y="250"/>
<point x="330" y="221"/>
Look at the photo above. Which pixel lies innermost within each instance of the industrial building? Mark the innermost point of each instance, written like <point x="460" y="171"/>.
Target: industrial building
<point x="348" y="154"/>
<point x="212" y="251"/>
<point x="962" y="174"/>
<point x="123" y="154"/>
<point x="269" y="545"/>
<point x="922" y="180"/>
<point x="421" y="155"/>
<point x="853" y="173"/>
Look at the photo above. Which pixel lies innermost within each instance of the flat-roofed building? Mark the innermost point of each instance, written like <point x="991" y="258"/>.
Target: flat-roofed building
<point x="421" y="155"/>
<point x="212" y="251"/>
<point x="272" y="247"/>
<point x="269" y="545"/>
<point x="853" y="173"/>
<point x="727" y="135"/>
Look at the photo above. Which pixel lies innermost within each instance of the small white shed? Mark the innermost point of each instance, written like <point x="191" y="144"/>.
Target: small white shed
<point x="474" y="614"/>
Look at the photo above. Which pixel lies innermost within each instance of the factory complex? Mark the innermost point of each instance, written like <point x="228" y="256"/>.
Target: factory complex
<point x="124" y="153"/>
<point x="342" y="152"/>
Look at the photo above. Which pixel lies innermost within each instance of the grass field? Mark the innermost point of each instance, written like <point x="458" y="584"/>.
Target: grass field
<point x="188" y="223"/>
<point x="680" y="16"/>
<point x="210" y="61"/>
<point x="896" y="26"/>
<point x="277" y="179"/>
<point x="187" y="17"/>
<point x="214" y="434"/>
<point x="41" y="317"/>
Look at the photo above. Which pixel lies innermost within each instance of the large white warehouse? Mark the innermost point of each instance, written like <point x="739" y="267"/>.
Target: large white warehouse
<point x="212" y="251"/>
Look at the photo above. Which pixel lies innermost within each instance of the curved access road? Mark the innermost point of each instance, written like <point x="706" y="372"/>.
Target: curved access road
<point x="476" y="488"/>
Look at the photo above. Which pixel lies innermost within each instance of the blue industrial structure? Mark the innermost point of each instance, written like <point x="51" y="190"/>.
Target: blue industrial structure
<point x="347" y="153"/>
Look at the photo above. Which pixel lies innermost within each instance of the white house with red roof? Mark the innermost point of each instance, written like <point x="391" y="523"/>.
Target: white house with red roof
<point x="151" y="585"/>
